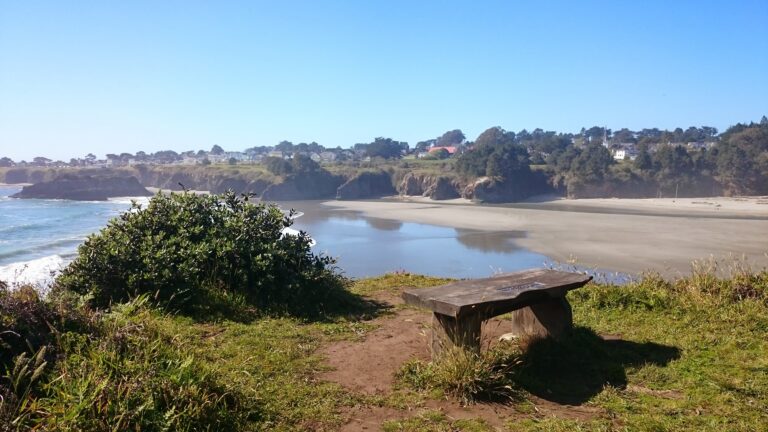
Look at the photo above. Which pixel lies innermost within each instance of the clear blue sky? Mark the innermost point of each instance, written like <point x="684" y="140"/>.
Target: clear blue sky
<point x="114" y="76"/>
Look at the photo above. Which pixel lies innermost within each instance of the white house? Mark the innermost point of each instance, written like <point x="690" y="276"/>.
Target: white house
<point x="327" y="156"/>
<point x="622" y="154"/>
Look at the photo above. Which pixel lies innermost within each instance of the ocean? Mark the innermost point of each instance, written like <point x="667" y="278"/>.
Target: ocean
<point x="39" y="237"/>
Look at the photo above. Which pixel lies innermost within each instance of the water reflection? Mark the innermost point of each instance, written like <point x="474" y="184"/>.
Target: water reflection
<point x="367" y="246"/>
<point x="384" y="224"/>
<point x="494" y="241"/>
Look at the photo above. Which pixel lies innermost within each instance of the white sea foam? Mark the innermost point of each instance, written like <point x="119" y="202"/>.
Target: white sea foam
<point x="39" y="272"/>
<point x="294" y="232"/>
<point x="127" y="200"/>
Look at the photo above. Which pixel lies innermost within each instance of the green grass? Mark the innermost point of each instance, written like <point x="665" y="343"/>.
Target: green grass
<point x="435" y="421"/>
<point x="691" y="355"/>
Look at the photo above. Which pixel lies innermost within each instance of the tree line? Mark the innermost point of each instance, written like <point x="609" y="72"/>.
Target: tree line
<point x="732" y="163"/>
<point x="661" y="162"/>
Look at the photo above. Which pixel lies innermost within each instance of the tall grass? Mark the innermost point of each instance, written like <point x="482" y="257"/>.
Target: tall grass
<point x="128" y="374"/>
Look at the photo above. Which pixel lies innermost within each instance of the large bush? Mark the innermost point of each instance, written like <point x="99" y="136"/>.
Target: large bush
<point x="186" y="249"/>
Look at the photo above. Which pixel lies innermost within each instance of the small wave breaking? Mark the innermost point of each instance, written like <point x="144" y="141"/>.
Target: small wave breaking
<point x="40" y="272"/>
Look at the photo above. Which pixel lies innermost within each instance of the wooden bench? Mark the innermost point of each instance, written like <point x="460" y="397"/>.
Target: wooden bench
<point x="535" y="297"/>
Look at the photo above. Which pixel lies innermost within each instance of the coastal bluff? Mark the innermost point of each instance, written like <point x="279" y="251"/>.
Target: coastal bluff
<point x="84" y="188"/>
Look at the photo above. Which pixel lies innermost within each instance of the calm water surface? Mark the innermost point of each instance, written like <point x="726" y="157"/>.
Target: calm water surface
<point x="37" y="237"/>
<point x="366" y="246"/>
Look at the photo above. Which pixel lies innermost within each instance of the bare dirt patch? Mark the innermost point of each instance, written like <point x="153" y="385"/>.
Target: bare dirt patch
<point x="369" y="367"/>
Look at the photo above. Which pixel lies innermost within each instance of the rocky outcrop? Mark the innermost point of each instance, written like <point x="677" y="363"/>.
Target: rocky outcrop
<point x="442" y="189"/>
<point x="435" y="187"/>
<point x="504" y="190"/>
<point x="366" y="185"/>
<point x="196" y="179"/>
<point x="491" y="190"/>
<point x="84" y="188"/>
<point x="306" y="186"/>
<point x="411" y="185"/>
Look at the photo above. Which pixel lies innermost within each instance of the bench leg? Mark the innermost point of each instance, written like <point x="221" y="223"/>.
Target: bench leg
<point x="550" y="318"/>
<point x="448" y="332"/>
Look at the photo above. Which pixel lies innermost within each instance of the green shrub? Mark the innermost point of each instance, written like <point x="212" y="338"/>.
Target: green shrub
<point x="25" y="324"/>
<point x="184" y="249"/>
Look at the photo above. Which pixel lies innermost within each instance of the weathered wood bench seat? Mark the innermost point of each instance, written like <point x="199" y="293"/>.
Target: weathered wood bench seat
<point x="535" y="297"/>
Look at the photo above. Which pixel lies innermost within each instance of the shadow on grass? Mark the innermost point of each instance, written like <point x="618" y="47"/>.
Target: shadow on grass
<point x="577" y="367"/>
<point x="337" y="303"/>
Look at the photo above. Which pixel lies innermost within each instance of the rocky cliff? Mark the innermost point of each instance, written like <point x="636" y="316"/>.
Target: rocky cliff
<point x="305" y="186"/>
<point x="84" y="188"/>
<point x="435" y="187"/>
<point x="495" y="190"/>
<point x="366" y="185"/>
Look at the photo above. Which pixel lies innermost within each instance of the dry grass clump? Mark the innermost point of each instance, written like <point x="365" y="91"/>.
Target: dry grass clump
<point x="467" y="375"/>
<point x="728" y="281"/>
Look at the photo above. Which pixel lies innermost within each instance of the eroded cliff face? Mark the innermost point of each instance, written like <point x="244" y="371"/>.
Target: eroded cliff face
<point x="434" y="187"/>
<point x="212" y="181"/>
<point x="366" y="185"/>
<point x="495" y="190"/>
<point x="305" y="186"/>
<point x="313" y="185"/>
<point x="84" y="188"/>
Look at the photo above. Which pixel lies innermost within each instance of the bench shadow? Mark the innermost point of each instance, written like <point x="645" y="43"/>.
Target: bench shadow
<point x="578" y="366"/>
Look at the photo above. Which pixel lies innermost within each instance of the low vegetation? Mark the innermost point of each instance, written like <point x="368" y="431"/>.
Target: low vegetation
<point x="189" y="252"/>
<point x="652" y="355"/>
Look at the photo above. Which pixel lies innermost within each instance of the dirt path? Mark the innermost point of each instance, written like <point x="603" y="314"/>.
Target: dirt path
<point x="369" y="367"/>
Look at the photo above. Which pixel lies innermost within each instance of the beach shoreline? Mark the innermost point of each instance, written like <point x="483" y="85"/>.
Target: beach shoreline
<point x="626" y="235"/>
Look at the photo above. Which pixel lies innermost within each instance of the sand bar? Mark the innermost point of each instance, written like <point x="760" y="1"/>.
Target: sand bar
<point x="627" y="235"/>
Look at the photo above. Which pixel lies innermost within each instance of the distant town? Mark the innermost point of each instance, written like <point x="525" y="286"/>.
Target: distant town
<point x="624" y="144"/>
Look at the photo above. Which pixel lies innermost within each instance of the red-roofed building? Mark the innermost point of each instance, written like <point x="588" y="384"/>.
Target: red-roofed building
<point x="450" y="149"/>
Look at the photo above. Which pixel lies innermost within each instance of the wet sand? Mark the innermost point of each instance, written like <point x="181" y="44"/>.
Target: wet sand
<point x="626" y="235"/>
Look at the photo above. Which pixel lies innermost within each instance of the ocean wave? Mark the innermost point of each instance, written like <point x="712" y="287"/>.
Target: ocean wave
<point x="69" y="242"/>
<point x="22" y="227"/>
<point x="39" y="272"/>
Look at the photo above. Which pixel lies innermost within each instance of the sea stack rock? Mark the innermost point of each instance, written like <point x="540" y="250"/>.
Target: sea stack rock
<point x="85" y="188"/>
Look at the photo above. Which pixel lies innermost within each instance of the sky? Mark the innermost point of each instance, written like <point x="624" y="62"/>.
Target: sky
<point x="122" y="76"/>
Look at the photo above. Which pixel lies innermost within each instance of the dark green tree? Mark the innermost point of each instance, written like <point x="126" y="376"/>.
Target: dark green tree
<point x="643" y="162"/>
<point x="278" y="166"/>
<point x="303" y="164"/>
<point x="284" y="146"/>
<point x="673" y="168"/>
<point x="386" y="148"/>
<point x="423" y="146"/>
<point x="494" y="136"/>
<point x="451" y="138"/>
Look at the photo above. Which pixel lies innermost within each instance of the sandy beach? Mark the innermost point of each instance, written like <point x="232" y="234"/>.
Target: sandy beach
<point x="627" y="235"/>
